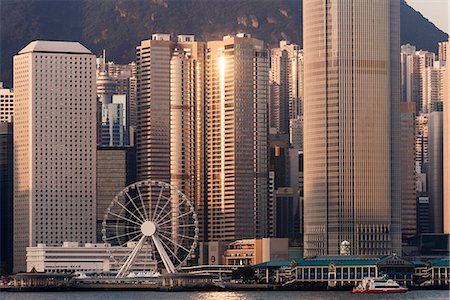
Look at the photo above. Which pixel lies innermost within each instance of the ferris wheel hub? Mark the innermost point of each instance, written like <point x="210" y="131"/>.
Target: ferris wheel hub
<point x="148" y="228"/>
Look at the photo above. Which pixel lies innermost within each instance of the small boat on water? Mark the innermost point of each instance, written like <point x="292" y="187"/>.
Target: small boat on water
<point x="379" y="285"/>
<point x="143" y="274"/>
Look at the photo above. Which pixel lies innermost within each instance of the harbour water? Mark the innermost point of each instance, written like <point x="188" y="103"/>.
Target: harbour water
<point x="253" y="295"/>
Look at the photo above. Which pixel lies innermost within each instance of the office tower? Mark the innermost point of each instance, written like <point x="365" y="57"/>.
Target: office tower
<point x="297" y="184"/>
<point x="118" y="79"/>
<point x="153" y="102"/>
<point x="279" y="178"/>
<point x="125" y="79"/>
<point x="422" y="149"/>
<point x="114" y="130"/>
<point x="286" y="85"/>
<point x="351" y="126"/>
<point x="423" y="214"/>
<point x="435" y="170"/>
<point x="54" y="146"/>
<point x="442" y="51"/>
<point x="237" y="160"/>
<point x="115" y="170"/>
<point x="6" y="198"/>
<point x="408" y="168"/>
<point x="116" y="92"/>
<point x="170" y="124"/>
<point x="106" y="86"/>
<point x="187" y="121"/>
<point x="446" y="132"/>
<point x="6" y="104"/>
<point x="432" y="86"/>
<point x="296" y="132"/>
<point x="271" y="206"/>
<point x="407" y="65"/>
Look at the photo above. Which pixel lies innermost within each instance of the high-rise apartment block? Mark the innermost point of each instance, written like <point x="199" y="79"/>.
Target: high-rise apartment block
<point x="286" y="85"/>
<point x="414" y="78"/>
<point x="432" y="88"/>
<point x="54" y="146"/>
<point x="407" y="65"/>
<point x="351" y="126"/>
<point x="237" y="157"/>
<point x="442" y="51"/>
<point x="6" y="104"/>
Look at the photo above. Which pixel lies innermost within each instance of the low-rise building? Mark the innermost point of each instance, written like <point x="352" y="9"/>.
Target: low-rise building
<point x="336" y="271"/>
<point x="246" y="252"/>
<point x="72" y="257"/>
<point x="440" y="272"/>
<point x="255" y="251"/>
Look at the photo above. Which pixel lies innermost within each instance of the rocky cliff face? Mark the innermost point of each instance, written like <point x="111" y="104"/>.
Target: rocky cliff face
<point x="119" y="25"/>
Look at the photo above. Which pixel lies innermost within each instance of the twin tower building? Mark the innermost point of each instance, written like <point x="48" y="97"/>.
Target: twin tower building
<point x="202" y="125"/>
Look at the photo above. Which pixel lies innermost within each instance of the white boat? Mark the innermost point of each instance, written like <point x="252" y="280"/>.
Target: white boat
<point x="143" y="274"/>
<point x="379" y="285"/>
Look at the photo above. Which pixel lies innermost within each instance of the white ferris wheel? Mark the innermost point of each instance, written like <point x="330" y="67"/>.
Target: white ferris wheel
<point x="158" y="221"/>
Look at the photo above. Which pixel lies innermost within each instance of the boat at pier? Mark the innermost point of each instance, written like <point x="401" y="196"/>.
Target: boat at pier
<point x="379" y="285"/>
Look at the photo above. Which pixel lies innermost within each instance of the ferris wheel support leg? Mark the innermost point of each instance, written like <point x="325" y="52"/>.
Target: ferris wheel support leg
<point x="130" y="260"/>
<point x="164" y="257"/>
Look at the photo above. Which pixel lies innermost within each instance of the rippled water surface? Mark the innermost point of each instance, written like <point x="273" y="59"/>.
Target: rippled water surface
<point x="134" y="295"/>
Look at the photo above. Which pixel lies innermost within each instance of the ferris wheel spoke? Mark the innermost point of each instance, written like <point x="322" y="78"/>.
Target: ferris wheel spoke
<point x="132" y="240"/>
<point x="181" y="226"/>
<point x="175" y="243"/>
<point x="157" y="203"/>
<point x="177" y="234"/>
<point x="171" y="211"/>
<point x="134" y="204"/>
<point x="142" y="202"/>
<point x="122" y="235"/>
<point x="136" y="217"/>
<point x="125" y="219"/>
<point x="162" y="209"/>
<point x="149" y="201"/>
<point x="120" y="226"/>
<point x="170" y="250"/>
<point x="178" y="217"/>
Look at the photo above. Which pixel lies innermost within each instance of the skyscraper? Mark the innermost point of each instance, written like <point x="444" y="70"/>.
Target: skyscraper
<point x="352" y="93"/>
<point x="432" y="88"/>
<point x="237" y="159"/>
<point x="153" y="102"/>
<point x="170" y="134"/>
<point x="6" y="198"/>
<point x="407" y="63"/>
<point x="54" y="146"/>
<point x="435" y="170"/>
<point x="446" y="132"/>
<point x="286" y="85"/>
<point x="116" y="92"/>
<point x="422" y="60"/>
<point x="408" y="168"/>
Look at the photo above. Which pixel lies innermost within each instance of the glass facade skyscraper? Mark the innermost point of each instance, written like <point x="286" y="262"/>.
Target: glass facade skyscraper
<point x="352" y="91"/>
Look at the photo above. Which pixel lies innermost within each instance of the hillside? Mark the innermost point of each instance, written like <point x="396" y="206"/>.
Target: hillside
<point x="119" y="25"/>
